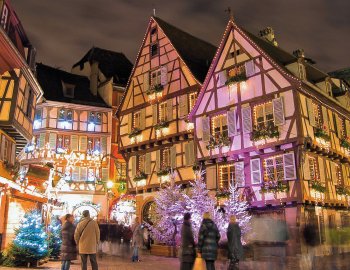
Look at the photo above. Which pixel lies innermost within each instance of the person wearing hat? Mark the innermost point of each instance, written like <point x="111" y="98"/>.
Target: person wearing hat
<point x="87" y="236"/>
<point x="208" y="241"/>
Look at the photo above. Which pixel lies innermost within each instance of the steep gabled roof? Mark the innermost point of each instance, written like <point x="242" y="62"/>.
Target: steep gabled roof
<point x="196" y="52"/>
<point x="343" y="74"/>
<point x="112" y="64"/>
<point x="51" y="79"/>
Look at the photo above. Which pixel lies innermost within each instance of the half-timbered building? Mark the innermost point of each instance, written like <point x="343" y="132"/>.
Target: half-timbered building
<point x="19" y="92"/>
<point x="155" y="137"/>
<point x="273" y="124"/>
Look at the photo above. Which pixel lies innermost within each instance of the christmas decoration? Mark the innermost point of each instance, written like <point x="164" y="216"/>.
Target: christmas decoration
<point x="30" y="244"/>
<point x="55" y="238"/>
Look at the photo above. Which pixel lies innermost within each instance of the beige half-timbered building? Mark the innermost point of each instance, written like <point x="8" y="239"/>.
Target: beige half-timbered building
<point x="276" y="126"/>
<point x="155" y="137"/>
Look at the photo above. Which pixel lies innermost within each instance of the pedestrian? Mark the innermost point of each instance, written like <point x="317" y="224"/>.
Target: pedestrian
<point x="234" y="244"/>
<point x="188" y="252"/>
<point x="68" y="246"/>
<point x="208" y="241"/>
<point x="87" y="237"/>
<point x="137" y="239"/>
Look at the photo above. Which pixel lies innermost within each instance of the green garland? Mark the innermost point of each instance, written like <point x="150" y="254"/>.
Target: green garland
<point x="220" y="141"/>
<point x="134" y="132"/>
<point x="222" y="194"/>
<point x="161" y="124"/>
<point x="155" y="89"/>
<point x="274" y="187"/>
<point x="317" y="186"/>
<point x="321" y="133"/>
<point x="163" y="172"/>
<point x="264" y="132"/>
<point x="139" y="177"/>
<point x="342" y="190"/>
<point x="236" y="78"/>
<point x="345" y="143"/>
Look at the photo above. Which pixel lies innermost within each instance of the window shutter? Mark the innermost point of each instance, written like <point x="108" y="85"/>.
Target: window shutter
<point x="169" y="109"/>
<point x="13" y="154"/>
<point x="82" y="143"/>
<point x="155" y="114"/>
<point x="173" y="157"/>
<point x="206" y="129"/>
<point x="325" y="117"/>
<point x="247" y="119"/>
<point x="158" y="161"/>
<point x="339" y="126"/>
<point x="191" y="153"/>
<point x="239" y="174"/>
<point x="347" y="127"/>
<point x="74" y="143"/>
<point x="310" y="111"/>
<point x="334" y="173"/>
<point x="289" y="166"/>
<point x="75" y="173"/>
<point x="104" y="144"/>
<point x="83" y="174"/>
<point x="2" y="149"/>
<point x="231" y="120"/>
<point x="133" y="166"/>
<point x="187" y="154"/>
<point x="183" y="105"/>
<point x="222" y="78"/>
<point x="42" y="138"/>
<point x="53" y="140"/>
<point x="163" y="75"/>
<point x="143" y="118"/>
<point x="145" y="82"/>
<point x="148" y="169"/>
<point x="104" y="174"/>
<point x="307" y="174"/>
<point x="255" y="171"/>
<point x="278" y="111"/>
<point x="211" y="177"/>
<point x="249" y="68"/>
<point x="130" y="122"/>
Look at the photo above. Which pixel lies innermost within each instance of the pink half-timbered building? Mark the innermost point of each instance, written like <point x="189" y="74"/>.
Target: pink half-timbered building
<point x="276" y="126"/>
<point x="155" y="137"/>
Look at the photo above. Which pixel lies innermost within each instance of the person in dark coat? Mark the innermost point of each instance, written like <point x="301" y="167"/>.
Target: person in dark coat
<point x="68" y="247"/>
<point x="188" y="254"/>
<point x="234" y="244"/>
<point x="208" y="241"/>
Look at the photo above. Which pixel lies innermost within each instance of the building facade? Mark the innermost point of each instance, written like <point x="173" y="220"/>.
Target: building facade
<point x="155" y="137"/>
<point x="19" y="93"/>
<point x="277" y="127"/>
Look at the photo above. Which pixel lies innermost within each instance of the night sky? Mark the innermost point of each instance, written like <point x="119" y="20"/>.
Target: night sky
<point x="64" y="30"/>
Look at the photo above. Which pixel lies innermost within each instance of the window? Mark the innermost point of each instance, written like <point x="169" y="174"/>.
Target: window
<point x="193" y="98"/>
<point x="97" y="145"/>
<point x="263" y="115"/>
<point x="274" y="169"/>
<point x="68" y="90"/>
<point x="236" y="71"/>
<point x="227" y="175"/>
<point x="137" y="119"/>
<point x="156" y="77"/>
<point x="141" y="163"/>
<point x="63" y="142"/>
<point x="154" y="49"/>
<point x="219" y="126"/>
<point x="91" y="174"/>
<point x="95" y="118"/>
<point x="65" y="115"/>
<point x="121" y="170"/>
<point x="154" y="31"/>
<point x="163" y="117"/>
<point x="235" y="53"/>
<point x="166" y="158"/>
<point x="317" y="114"/>
<point x="38" y="114"/>
<point x="313" y="167"/>
<point x="90" y="144"/>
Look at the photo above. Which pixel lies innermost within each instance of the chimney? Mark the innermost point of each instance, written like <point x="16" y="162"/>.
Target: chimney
<point x="269" y="35"/>
<point x="299" y="53"/>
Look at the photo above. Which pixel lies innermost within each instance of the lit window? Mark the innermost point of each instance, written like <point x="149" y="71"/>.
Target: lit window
<point x="65" y="115"/>
<point x="163" y="116"/>
<point x="193" y="98"/>
<point x="227" y="175"/>
<point x="91" y="174"/>
<point x="313" y="167"/>
<point x="166" y="158"/>
<point x="263" y="115"/>
<point x="121" y="170"/>
<point x="273" y="169"/>
<point x="156" y="78"/>
<point x="137" y="119"/>
<point x="154" y="49"/>
<point x="141" y="163"/>
<point x="219" y="126"/>
<point x="97" y="145"/>
<point x="95" y="118"/>
<point x="236" y="71"/>
<point x="38" y="118"/>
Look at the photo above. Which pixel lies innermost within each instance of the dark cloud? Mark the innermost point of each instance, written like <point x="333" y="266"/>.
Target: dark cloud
<point x="63" y="31"/>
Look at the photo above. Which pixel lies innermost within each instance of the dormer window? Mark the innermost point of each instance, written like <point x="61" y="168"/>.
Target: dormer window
<point x="68" y="90"/>
<point x="154" y="49"/>
<point x="302" y="71"/>
<point x="154" y="31"/>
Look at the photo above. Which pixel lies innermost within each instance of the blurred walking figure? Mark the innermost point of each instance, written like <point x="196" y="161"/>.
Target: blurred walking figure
<point x="311" y="238"/>
<point x="234" y="244"/>
<point x="188" y="253"/>
<point x="87" y="236"/>
<point x="208" y="240"/>
<point x="137" y="239"/>
<point x="68" y="247"/>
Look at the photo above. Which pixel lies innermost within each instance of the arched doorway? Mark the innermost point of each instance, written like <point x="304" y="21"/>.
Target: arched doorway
<point x="149" y="212"/>
<point x="124" y="210"/>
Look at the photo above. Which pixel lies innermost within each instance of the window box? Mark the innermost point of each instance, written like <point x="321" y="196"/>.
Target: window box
<point x="221" y="141"/>
<point x="161" y="125"/>
<point x="264" y="132"/>
<point x="156" y="91"/>
<point x="274" y="187"/>
<point x="322" y="134"/>
<point x="139" y="177"/>
<point x="345" y="143"/>
<point x="342" y="191"/>
<point x="236" y="79"/>
<point x="317" y="186"/>
<point x="222" y="194"/>
<point x="134" y="132"/>
<point x="164" y="171"/>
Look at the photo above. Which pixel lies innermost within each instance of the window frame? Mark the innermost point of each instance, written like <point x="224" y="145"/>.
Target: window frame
<point x="157" y="77"/>
<point x="166" y="158"/>
<point x="162" y="111"/>
<point x="192" y="97"/>
<point x="231" y="173"/>
<point x="265" y="121"/>
<point x="151" y="49"/>
<point x="223" y="131"/>
<point x="136" y="120"/>
<point x="277" y="167"/>
<point x="65" y="115"/>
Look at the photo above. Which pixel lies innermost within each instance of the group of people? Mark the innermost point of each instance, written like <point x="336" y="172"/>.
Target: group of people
<point x="208" y="243"/>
